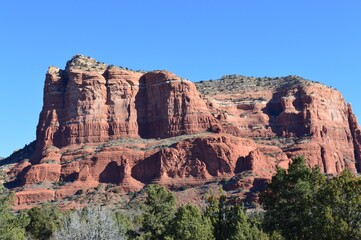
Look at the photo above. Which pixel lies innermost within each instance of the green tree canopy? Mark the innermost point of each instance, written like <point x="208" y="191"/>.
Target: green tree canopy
<point x="44" y="221"/>
<point x="289" y="200"/>
<point x="230" y="220"/>
<point x="189" y="224"/>
<point x="302" y="204"/>
<point x="339" y="205"/>
<point x="159" y="209"/>
<point x="11" y="225"/>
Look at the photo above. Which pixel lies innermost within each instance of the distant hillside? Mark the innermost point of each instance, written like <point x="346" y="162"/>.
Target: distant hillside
<point x="19" y="155"/>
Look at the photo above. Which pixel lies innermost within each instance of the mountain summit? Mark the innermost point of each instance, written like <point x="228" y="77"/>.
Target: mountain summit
<point x="106" y="124"/>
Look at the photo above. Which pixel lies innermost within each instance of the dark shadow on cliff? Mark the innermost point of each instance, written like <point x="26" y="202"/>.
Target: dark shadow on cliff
<point x="243" y="164"/>
<point x="141" y="108"/>
<point x="148" y="169"/>
<point x="273" y="109"/>
<point x="112" y="173"/>
<point x="70" y="178"/>
<point x="282" y="122"/>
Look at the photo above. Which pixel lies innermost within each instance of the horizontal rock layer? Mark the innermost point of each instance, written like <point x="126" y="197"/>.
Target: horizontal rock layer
<point x="105" y="124"/>
<point x="83" y="106"/>
<point x="301" y="117"/>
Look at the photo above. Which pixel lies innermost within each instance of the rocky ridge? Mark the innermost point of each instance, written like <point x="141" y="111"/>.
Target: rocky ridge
<point x="102" y="124"/>
<point x="313" y="118"/>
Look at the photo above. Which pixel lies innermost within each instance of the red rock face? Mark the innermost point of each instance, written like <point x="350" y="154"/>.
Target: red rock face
<point x="33" y="196"/>
<point x="302" y="118"/>
<point x="202" y="158"/>
<point x="122" y="89"/>
<point x="85" y="107"/>
<point x="102" y="124"/>
<point x="170" y="106"/>
<point x="94" y="106"/>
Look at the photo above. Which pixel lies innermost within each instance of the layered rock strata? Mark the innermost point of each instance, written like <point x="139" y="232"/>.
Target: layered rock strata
<point x="89" y="102"/>
<point x="107" y="124"/>
<point x="301" y="117"/>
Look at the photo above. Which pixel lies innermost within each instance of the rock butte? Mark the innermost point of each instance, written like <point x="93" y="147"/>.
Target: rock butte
<point x="107" y="124"/>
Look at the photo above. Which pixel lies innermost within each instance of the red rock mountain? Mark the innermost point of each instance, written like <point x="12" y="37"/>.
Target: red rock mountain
<point x="107" y="124"/>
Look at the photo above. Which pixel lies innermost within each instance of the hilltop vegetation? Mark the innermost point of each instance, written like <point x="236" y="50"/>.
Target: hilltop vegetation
<point x="237" y="83"/>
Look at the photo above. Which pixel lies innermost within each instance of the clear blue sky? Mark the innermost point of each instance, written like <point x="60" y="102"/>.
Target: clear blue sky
<point x="196" y="39"/>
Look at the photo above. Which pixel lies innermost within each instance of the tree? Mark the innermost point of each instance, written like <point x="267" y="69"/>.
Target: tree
<point x="215" y="211"/>
<point x="303" y="204"/>
<point x="339" y="205"/>
<point x="289" y="200"/>
<point x="159" y="209"/>
<point x="44" y="221"/>
<point x="241" y="227"/>
<point x="189" y="224"/>
<point x="230" y="220"/>
<point x="11" y="225"/>
<point x="92" y="223"/>
<point x="125" y="224"/>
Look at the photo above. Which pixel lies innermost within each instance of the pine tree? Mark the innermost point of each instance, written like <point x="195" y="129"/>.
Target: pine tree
<point x="159" y="209"/>
<point x="289" y="200"/>
<point x="230" y="220"/>
<point x="339" y="205"/>
<point x="189" y="224"/>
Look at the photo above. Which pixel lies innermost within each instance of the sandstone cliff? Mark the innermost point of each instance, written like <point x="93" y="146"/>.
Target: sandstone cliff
<point x="89" y="102"/>
<point x="107" y="124"/>
<point x="301" y="117"/>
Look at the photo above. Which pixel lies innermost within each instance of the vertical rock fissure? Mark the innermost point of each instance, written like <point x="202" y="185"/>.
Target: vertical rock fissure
<point x="356" y="137"/>
<point x="141" y="107"/>
<point x="323" y="159"/>
<point x="108" y="99"/>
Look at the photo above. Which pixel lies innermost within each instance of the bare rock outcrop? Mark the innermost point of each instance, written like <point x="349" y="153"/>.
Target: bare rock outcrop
<point x="302" y="117"/>
<point x="90" y="102"/>
<point x="195" y="160"/>
<point x="103" y="124"/>
<point x="171" y="106"/>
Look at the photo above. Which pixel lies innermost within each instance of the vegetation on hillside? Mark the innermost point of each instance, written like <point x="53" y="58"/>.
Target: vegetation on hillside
<point x="299" y="203"/>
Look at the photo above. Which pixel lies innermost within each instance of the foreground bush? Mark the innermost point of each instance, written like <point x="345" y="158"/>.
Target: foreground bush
<point x="12" y="227"/>
<point x="44" y="221"/>
<point x="91" y="223"/>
